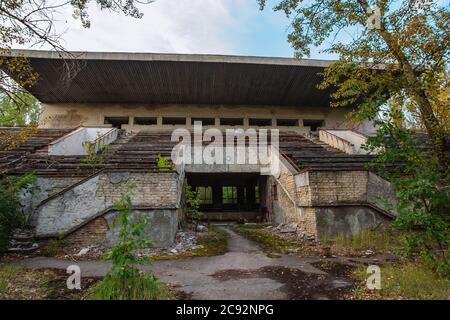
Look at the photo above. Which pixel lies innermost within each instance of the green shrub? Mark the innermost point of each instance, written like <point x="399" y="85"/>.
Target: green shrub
<point x="133" y="286"/>
<point x="10" y="215"/>
<point x="164" y="164"/>
<point x="92" y="158"/>
<point x="192" y="207"/>
<point x="422" y="190"/>
<point x="125" y="281"/>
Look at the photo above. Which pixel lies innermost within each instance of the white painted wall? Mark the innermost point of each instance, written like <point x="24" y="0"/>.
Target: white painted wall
<point x="72" y="143"/>
<point x="353" y="137"/>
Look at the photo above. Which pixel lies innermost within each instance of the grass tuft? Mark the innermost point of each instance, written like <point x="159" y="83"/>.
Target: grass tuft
<point x="376" y="240"/>
<point x="7" y="273"/>
<point x="138" y="287"/>
<point x="411" y="280"/>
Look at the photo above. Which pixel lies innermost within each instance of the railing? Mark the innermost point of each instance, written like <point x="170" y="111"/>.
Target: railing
<point x="336" y="142"/>
<point x="105" y="139"/>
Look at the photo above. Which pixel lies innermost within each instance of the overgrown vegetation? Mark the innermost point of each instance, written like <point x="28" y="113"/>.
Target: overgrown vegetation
<point x="405" y="280"/>
<point x="392" y="50"/>
<point x="192" y="205"/>
<point x="19" y="109"/>
<point x="383" y="240"/>
<point x="270" y="243"/>
<point x="7" y="272"/>
<point x="423" y="191"/>
<point x="164" y="164"/>
<point x="213" y="243"/>
<point x="10" y="215"/>
<point x="17" y="283"/>
<point x="125" y="281"/>
<point x="31" y="23"/>
<point x="93" y="157"/>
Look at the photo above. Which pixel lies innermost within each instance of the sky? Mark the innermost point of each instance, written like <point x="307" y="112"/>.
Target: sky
<point x="231" y="27"/>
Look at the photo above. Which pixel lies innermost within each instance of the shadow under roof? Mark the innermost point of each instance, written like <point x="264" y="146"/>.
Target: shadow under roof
<point x="153" y="78"/>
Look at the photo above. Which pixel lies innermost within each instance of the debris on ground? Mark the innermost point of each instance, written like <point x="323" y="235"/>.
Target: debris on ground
<point x="185" y="240"/>
<point x="202" y="228"/>
<point x="291" y="232"/>
<point x="92" y="252"/>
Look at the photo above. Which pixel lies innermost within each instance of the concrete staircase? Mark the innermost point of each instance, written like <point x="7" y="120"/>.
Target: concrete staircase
<point x="22" y="242"/>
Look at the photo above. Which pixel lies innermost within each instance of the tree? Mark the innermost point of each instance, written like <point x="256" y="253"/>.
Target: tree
<point x="22" y="109"/>
<point x="31" y="23"/>
<point x="388" y="50"/>
<point x="393" y="65"/>
<point x="125" y="281"/>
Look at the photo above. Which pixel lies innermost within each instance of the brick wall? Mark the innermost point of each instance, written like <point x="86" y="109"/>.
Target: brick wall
<point x="79" y="205"/>
<point x="338" y="187"/>
<point x="330" y="201"/>
<point x="153" y="189"/>
<point x="92" y="233"/>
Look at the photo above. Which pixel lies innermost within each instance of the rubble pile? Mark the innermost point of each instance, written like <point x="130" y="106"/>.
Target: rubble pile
<point x="185" y="240"/>
<point x="290" y="232"/>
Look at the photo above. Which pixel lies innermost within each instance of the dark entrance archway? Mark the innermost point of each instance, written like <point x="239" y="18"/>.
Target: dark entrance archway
<point x="229" y="196"/>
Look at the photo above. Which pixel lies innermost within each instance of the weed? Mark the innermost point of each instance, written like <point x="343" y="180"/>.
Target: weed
<point x="270" y="243"/>
<point x="410" y="279"/>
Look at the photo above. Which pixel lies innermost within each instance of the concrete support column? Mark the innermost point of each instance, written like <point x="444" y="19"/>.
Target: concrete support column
<point x="246" y="122"/>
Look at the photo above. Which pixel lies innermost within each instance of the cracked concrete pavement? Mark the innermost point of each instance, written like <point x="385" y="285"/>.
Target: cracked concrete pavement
<point x="198" y="277"/>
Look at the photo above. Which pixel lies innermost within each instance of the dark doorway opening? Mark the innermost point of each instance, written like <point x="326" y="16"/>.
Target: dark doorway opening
<point x="313" y="124"/>
<point x="116" y="122"/>
<point x="229" y="196"/>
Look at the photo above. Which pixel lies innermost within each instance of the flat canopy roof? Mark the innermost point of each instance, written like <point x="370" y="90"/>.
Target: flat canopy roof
<point x="153" y="78"/>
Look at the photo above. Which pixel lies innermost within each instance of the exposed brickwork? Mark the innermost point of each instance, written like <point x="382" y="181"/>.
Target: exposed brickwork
<point x="153" y="189"/>
<point x="80" y="204"/>
<point x="347" y="195"/>
<point x="335" y="187"/>
<point x="92" y="233"/>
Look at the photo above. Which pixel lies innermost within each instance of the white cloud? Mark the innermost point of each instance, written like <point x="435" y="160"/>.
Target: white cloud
<point x="178" y="26"/>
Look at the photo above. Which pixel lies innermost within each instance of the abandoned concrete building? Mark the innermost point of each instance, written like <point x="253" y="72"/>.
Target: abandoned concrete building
<point x="132" y="102"/>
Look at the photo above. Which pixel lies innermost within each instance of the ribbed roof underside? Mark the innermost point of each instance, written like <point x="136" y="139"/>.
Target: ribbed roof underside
<point x="177" y="79"/>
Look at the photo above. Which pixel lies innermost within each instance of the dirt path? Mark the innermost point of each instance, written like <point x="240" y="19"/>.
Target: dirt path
<point x="244" y="272"/>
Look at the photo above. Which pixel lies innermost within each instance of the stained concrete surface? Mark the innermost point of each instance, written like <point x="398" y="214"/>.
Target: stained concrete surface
<point x="244" y="272"/>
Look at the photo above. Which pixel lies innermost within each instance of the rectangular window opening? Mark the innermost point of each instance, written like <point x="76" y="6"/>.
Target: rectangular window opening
<point x="204" y="121"/>
<point x="231" y="121"/>
<point x="145" y="121"/>
<point x="260" y="122"/>
<point x="229" y="195"/>
<point x="116" y="122"/>
<point x="204" y="194"/>
<point x="257" y="194"/>
<point x="287" y="122"/>
<point x="174" y="120"/>
<point x="313" y="124"/>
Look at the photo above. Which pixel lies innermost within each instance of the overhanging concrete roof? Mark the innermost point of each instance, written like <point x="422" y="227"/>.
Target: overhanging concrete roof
<point x="113" y="77"/>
